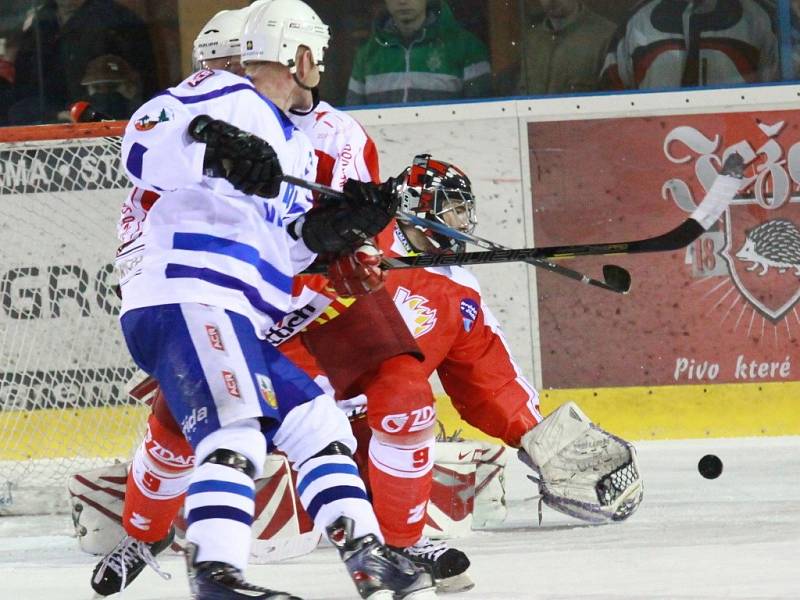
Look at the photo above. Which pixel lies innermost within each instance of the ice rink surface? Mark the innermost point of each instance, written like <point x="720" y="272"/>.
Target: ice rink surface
<point x="735" y="537"/>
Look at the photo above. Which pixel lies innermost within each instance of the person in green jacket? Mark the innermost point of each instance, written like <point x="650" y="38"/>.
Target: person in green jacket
<point x="418" y="52"/>
<point x="564" y="49"/>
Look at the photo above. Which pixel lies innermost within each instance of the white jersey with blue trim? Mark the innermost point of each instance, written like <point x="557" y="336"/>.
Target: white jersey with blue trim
<point x="204" y="241"/>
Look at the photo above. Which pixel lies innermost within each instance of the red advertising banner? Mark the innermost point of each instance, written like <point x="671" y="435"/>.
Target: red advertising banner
<point x="725" y="309"/>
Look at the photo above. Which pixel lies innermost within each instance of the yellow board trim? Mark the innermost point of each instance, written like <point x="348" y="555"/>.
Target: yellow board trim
<point x="108" y="432"/>
<point x="673" y="412"/>
<point x="635" y="413"/>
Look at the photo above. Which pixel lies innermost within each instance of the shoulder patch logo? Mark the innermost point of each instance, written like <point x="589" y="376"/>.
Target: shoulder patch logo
<point x="147" y="122"/>
<point x="419" y="317"/>
<point x="265" y="388"/>
<point x="469" y="313"/>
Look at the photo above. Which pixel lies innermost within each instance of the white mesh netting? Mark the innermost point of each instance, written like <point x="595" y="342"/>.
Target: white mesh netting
<point x="63" y="363"/>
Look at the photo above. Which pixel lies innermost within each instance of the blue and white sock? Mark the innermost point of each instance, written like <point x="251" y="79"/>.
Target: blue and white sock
<point x="329" y="486"/>
<point x="219" y="512"/>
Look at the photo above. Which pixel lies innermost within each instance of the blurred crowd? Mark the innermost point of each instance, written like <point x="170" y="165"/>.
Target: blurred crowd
<point x="112" y="54"/>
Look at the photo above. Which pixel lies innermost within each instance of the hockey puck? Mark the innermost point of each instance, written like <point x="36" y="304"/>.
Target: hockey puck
<point x="710" y="466"/>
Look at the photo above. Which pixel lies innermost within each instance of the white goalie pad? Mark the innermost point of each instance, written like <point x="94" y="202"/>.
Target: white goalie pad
<point x="468" y="489"/>
<point x="583" y="470"/>
<point x="281" y="529"/>
<point x="96" y="498"/>
<point x="468" y="493"/>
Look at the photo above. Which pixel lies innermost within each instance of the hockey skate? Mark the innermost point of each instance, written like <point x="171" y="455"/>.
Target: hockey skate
<point x="124" y="563"/>
<point x="210" y="580"/>
<point x="379" y="572"/>
<point x="447" y="564"/>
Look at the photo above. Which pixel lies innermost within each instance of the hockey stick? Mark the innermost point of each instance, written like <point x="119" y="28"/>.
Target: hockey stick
<point x="615" y="278"/>
<point x="706" y="214"/>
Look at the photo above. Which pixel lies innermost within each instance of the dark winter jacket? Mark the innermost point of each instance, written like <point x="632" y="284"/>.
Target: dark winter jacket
<point x="98" y="27"/>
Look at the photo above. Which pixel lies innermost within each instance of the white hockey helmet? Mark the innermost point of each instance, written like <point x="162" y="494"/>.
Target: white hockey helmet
<point x="219" y="38"/>
<point x="274" y="29"/>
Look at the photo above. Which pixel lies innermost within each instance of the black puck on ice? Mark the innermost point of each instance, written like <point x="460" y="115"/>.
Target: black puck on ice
<point x="710" y="466"/>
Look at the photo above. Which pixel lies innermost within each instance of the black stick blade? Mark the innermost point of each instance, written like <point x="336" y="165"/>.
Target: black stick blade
<point x="617" y="277"/>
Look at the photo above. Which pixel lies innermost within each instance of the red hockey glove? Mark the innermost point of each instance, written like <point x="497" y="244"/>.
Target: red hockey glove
<point x="359" y="273"/>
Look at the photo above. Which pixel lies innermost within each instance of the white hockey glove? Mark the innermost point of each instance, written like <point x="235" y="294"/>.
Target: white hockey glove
<point x="584" y="471"/>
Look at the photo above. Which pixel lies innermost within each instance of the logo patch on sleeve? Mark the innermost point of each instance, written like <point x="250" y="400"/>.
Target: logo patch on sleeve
<point x="469" y="313"/>
<point x="148" y="121"/>
<point x="267" y="392"/>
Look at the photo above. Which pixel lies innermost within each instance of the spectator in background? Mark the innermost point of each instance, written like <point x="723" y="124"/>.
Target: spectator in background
<point x="691" y="43"/>
<point x="7" y="52"/>
<point x="418" y="52"/>
<point x="564" y="49"/>
<point x="70" y="33"/>
<point x="111" y="87"/>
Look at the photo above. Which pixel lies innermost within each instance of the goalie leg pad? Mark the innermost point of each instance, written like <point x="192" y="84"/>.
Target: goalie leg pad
<point x="97" y="497"/>
<point x="584" y="471"/>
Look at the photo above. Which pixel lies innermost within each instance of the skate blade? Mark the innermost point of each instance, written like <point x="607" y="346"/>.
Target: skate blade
<point x="454" y="584"/>
<point x="426" y="594"/>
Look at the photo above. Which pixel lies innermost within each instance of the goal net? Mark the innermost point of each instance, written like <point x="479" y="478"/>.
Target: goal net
<point x="64" y="367"/>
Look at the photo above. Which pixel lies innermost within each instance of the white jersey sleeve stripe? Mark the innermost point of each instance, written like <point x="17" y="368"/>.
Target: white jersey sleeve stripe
<point x="200" y="242"/>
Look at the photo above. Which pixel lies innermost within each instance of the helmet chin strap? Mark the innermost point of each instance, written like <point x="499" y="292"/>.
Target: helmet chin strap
<point x="314" y="97"/>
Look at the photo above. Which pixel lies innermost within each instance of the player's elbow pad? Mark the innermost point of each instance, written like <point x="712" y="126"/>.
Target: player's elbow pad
<point x="336" y="230"/>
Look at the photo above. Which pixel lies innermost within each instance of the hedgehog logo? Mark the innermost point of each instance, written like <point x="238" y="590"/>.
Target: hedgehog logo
<point x="775" y="243"/>
<point x="763" y="256"/>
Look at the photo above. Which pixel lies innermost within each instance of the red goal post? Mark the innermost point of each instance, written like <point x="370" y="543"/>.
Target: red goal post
<point x="64" y="368"/>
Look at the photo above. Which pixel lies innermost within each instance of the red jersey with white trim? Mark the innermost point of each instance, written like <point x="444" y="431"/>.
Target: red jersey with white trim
<point x="464" y="343"/>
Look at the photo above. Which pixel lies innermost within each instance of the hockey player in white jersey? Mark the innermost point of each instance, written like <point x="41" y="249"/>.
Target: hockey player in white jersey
<point x="213" y="269"/>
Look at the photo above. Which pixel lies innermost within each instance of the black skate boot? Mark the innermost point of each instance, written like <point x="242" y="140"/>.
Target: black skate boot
<point x="124" y="563"/>
<point x="447" y="564"/>
<point x="210" y="580"/>
<point x="379" y="572"/>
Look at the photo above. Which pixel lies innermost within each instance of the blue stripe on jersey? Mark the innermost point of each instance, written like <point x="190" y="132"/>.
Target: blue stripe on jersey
<point x="135" y="159"/>
<point x="202" y="513"/>
<point x="177" y="271"/>
<point x="215" y="485"/>
<point x="332" y="494"/>
<point x="287" y="126"/>
<point x="209" y="243"/>
<point x="224" y="91"/>
<point x="322" y="471"/>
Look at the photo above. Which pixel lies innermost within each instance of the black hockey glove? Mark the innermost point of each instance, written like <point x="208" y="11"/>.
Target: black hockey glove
<point x="245" y="160"/>
<point x="368" y="208"/>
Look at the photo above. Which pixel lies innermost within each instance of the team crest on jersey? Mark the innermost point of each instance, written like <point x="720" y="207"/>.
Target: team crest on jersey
<point x="265" y="387"/>
<point x="419" y="317"/>
<point x="469" y="313"/>
<point x="148" y="121"/>
<point x="200" y="77"/>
